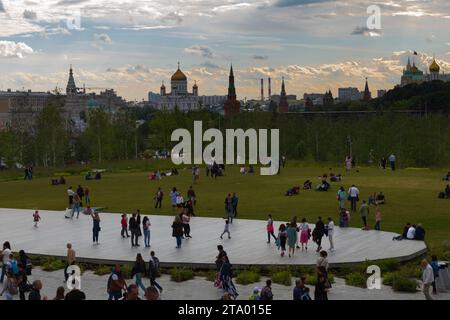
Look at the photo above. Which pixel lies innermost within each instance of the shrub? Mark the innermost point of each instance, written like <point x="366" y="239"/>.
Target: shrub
<point x="247" y="277"/>
<point x="102" y="270"/>
<point x="311" y="279"/>
<point x="388" y="278"/>
<point x="282" y="277"/>
<point x="356" y="279"/>
<point x="52" y="264"/>
<point x="388" y="265"/>
<point x="410" y="271"/>
<point x="181" y="274"/>
<point x="404" y="284"/>
<point x="126" y="270"/>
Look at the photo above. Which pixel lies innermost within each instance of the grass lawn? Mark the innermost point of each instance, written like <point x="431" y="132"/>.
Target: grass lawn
<point x="411" y="195"/>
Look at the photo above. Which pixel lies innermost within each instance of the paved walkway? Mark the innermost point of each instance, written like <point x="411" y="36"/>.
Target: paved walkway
<point x="200" y="289"/>
<point x="246" y="246"/>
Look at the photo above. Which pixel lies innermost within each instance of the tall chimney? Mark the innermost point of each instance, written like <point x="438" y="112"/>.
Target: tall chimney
<point x="262" y="89"/>
<point x="270" y="89"/>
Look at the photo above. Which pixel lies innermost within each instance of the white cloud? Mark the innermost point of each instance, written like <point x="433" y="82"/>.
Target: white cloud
<point x="201" y="50"/>
<point x="102" y="38"/>
<point x="11" y="49"/>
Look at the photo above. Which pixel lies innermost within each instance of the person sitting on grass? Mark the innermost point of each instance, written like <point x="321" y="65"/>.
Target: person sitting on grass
<point x="419" y="233"/>
<point x="335" y="178"/>
<point x="446" y="177"/>
<point x="445" y="194"/>
<point x="251" y="169"/>
<point x="307" y="185"/>
<point x="380" y="199"/>
<point x="293" y="191"/>
<point x="324" y="185"/>
<point x="98" y="175"/>
<point x="411" y="234"/>
<point x="88" y="176"/>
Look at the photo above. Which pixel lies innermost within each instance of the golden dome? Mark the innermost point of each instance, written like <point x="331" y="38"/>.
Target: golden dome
<point x="178" y="76"/>
<point x="434" y="67"/>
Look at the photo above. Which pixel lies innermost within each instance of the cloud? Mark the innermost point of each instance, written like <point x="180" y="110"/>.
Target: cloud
<point x="11" y="49"/>
<point x="259" y="57"/>
<point x="429" y="39"/>
<point x="364" y="31"/>
<point x="2" y="7"/>
<point x="210" y="65"/>
<point x="70" y="2"/>
<point x="30" y="15"/>
<point x="291" y="3"/>
<point x="201" y="50"/>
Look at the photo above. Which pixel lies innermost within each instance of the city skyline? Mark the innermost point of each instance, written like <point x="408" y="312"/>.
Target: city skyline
<point x="132" y="46"/>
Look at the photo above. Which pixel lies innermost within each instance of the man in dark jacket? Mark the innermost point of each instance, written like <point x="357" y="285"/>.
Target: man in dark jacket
<point x="153" y="270"/>
<point x="420" y="232"/>
<point x="35" y="293"/>
<point x="318" y="233"/>
<point x="134" y="229"/>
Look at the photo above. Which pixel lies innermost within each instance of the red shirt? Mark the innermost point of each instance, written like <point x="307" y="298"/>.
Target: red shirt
<point x="124" y="222"/>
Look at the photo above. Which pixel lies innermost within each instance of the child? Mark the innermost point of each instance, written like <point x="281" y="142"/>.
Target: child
<point x="377" y="218"/>
<point x="36" y="218"/>
<point x="306" y="296"/>
<point x="124" y="224"/>
<point x="226" y="229"/>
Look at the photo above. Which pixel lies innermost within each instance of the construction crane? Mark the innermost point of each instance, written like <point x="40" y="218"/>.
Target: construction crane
<point x="84" y="88"/>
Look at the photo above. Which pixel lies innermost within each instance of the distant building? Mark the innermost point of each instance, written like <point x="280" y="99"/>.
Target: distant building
<point x="328" y="99"/>
<point x="232" y="105"/>
<point x="315" y="98"/>
<point x="349" y="94"/>
<point x="412" y="74"/>
<point x="18" y="108"/>
<point x="381" y="93"/>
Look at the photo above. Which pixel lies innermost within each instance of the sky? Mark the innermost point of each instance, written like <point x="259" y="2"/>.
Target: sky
<point x="132" y="46"/>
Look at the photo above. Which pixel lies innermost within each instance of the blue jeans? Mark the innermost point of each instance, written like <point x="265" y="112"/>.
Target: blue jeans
<point x="3" y="273"/>
<point x="139" y="281"/>
<point x="147" y="238"/>
<point x="178" y="241"/>
<point x="76" y="207"/>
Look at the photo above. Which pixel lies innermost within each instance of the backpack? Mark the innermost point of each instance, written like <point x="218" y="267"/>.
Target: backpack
<point x="13" y="267"/>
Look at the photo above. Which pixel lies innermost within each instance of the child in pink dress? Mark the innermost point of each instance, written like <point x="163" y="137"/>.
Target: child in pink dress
<point x="36" y="218"/>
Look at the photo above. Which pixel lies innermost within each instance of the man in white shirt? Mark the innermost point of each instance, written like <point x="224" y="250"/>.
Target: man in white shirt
<point x="330" y="228"/>
<point x="411" y="234"/>
<point x="353" y="194"/>
<point x="427" y="278"/>
<point x="5" y="259"/>
<point x="392" y="161"/>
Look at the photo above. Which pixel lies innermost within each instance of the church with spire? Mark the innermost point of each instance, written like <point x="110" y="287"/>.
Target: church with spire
<point x="231" y="106"/>
<point x="283" y="106"/>
<point x="412" y="74"/>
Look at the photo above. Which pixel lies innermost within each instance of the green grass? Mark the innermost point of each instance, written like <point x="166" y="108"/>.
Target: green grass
<point x="247" y="277"/>
<point x="411" y="194"/>
<point x="282" y="277"/>
<point x="181" y="274"/>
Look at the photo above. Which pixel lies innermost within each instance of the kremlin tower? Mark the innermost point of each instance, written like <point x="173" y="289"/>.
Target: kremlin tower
<point x="232" y="106"/>
<point x="367" y="95"/>
<point x="283" y="106"/>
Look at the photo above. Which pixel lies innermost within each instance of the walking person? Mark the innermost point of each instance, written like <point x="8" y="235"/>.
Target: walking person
<point x="185" y="219"/>
<point x="116" y="284"/>
<point x="124" y="225"/>
<point x="177" y="230"/>
<point x="392" y="160"/>
<point x="5" y="258"/>
<point x="95" y="227"/>
<point x="304" y="234"/>
<point x="22" y="282"/>
<point x="87" y="196"/>
<point x="25" y="262"/>
<point x="76" y="205"/>
<point x="70" y="194"/>
<point x="344" y="217"/>
<point x="173" y="197"/>
<point x="70" y="260"/>
<point x="318" y="233"/>
<point x="292" y="238"/>
<point x="427" y="278"/>
<point x="139" y="271"/>
<point x="158" y="198"/>
<point x="146" y="227"/>
<point x="226" y="229"/>
<point x="10" y="288"/>
<point x="234" y="204"/>
<point x="320" y="292"/>
<point x="138" y="221"/>
<point x="364" y="213"/>
<point x="153" y="271"/>
<point x="192" y="196"/>
<point x="134" y="230"/>
<point x="353" y="197"/>
<point x="270" y="229"/>
<point x="330" y="232"/>
<point x="282" y="238"/>
<point x="266" y="292"/>
<point x="36" y="218"/>
<point x="348" y="163"/>
<point x="341" y="197"/>
<point x="229" y="207"/>
<point x="435" y="265"/>
<point x="377" y="218"/>
<point x="80" y="193"/>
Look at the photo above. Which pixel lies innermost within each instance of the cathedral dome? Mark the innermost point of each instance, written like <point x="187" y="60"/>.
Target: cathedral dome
<point x="434" y="67"/>
<point x="179" y="76"/>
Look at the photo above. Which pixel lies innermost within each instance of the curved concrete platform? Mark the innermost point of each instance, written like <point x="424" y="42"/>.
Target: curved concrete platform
<point x="247" y="245"/>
